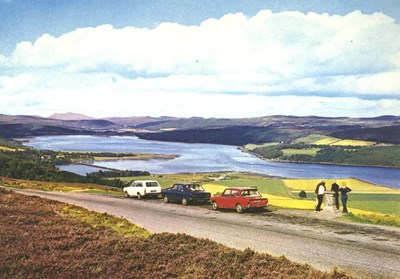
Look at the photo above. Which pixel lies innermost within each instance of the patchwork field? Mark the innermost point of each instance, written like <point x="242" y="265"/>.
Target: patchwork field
<point x="370" y="202"/>
<point x="326" y="140"/>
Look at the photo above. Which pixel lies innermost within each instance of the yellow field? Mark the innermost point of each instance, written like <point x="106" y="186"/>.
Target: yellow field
<point x="307" y="151"/>
<point x="6" y="148"/>
<point x="356" y="185"/>
<point x="354" y="142"/>
<point x="252" y="146"/>
<point x="289" y="203"/>
<point x="326" y="141"/>
<point x="312" y="138"/>
<point x="213" y="188"/>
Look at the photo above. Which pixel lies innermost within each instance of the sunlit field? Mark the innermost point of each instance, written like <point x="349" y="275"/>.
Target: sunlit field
<point x="354" y="142"/>
<point x="356" y="185"/>
<point x="306" y="151"/>
<point x="6" y="148"/>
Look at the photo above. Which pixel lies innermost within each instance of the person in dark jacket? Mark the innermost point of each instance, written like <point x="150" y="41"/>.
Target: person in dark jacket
<point x="335" y="189"/>
<point x="343" y="193"/>
<point x="320" y="192"/>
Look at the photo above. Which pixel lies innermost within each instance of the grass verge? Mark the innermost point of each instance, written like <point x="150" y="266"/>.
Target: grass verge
<point x="373" y="218"/>
<point x="59" y="186"/>
<point x="95" y="219"/>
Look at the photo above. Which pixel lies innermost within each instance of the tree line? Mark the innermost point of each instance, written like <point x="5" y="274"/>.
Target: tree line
<point x="34" y="164"/>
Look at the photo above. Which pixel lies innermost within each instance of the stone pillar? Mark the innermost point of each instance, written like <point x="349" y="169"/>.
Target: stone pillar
<point x="329" y="202"/>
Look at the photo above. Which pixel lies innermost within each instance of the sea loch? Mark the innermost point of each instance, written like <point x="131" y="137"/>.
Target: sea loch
<point x="204" y="158"/>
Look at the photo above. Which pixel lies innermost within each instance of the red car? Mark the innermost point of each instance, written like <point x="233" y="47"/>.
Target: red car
<point x="239" y="198"/>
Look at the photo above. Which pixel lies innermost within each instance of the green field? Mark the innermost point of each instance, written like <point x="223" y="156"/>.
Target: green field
<point x="382" y="203"/>
<point x="268" y="186"/>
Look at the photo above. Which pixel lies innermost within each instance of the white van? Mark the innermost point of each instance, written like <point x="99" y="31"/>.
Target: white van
<point x="142" y="188"/>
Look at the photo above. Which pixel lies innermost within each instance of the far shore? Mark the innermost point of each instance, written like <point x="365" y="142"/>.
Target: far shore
<point x="245" y="150"/>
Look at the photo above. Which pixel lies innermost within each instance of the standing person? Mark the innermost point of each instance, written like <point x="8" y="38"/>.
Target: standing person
<point x="335" y="189"/>
<point x="320" y="192"/>
<point x="343" y="193"/>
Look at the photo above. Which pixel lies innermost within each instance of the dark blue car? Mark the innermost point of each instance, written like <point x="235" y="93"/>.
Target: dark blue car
<point x="186" y="193"/>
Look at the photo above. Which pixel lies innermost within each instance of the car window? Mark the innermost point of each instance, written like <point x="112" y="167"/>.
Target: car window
<point x="175" y="187"/>
<point x="151" y="184"/>
<point x="180" y="187"/>
<point x="235" y="193"/>
<point x="226" y="192"/>
<point x="251" y="193"/>
<point x="139" y="184"/>
<point x="195" y="187"/>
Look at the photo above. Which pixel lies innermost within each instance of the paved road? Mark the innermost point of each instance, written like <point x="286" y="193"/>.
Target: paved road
<point x="361" y="250"/>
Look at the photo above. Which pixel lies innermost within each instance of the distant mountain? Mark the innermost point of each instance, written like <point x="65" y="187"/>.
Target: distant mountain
<point x="141" y="121"/>
<point x="238" y="131"/>
<point x="70" y="116"/>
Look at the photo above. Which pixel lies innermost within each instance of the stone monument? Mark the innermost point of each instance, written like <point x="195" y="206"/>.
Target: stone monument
<point x="330" y="205"/>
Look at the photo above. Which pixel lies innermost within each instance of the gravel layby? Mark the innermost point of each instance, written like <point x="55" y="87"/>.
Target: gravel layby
<point x="38" y="241"/>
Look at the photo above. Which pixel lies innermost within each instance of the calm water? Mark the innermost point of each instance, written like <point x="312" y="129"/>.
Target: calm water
<point x="203" y="158"/>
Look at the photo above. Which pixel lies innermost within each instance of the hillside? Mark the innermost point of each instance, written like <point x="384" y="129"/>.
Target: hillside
<point x="70" y="116"/>
<point x="279" y="128"/>
<point x="41" y="238"/>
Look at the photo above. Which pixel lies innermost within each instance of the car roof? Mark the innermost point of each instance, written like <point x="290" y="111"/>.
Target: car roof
<point x="186" y="184"/>
<point x="241" y="188"/>
<point x="145" y="181"/>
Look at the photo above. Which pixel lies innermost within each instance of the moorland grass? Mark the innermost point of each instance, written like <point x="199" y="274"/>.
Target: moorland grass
<point x="58" y="186"/>
<point x="96" y="219"/>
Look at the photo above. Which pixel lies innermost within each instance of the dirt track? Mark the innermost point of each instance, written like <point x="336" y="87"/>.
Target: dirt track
<point x="362" y="250"/>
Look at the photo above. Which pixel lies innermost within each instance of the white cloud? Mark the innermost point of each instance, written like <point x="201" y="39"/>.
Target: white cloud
<point x="310" y="63"/>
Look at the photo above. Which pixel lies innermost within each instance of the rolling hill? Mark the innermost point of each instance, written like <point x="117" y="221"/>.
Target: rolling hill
<point x="238" y="131"/>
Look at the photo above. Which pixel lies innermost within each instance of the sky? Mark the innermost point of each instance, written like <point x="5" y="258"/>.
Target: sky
<point x="208" y="58"/>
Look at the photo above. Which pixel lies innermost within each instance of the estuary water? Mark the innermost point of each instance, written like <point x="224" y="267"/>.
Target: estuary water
<point x="203" y="158"/>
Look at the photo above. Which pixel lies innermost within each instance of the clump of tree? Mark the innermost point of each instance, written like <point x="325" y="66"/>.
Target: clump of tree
<point x="269" y="152"/>
<point x="34" y="164"/>
<point x="358" y="155"/>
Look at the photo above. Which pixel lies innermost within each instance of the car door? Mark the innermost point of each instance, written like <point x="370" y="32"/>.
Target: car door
<point x="223" y="200"/>
<point x="139" y="188"/>
<point x="132" y="189"/>
<point x="233" y="199"/>
<point x="173" y="193"/>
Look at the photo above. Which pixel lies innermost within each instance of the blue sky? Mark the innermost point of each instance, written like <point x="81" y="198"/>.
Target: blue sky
<point x="218" y="58"/>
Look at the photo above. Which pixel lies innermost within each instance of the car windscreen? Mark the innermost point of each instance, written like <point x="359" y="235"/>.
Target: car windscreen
<point x="151" y="184"/>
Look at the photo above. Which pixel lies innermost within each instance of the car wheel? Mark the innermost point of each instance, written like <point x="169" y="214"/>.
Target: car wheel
<point x="184" y="201"/>
<point x="239" y="208"/>
<point x="165" y="199"/>
<point x="214" y="205"/>
<point x="139" y="196"/>
<point x="127" y="195"/>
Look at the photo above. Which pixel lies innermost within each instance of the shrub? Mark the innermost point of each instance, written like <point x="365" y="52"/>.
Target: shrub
<point x="302" y="194"/>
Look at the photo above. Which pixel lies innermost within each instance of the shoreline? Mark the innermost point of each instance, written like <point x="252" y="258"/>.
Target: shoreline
<point x="312" y="163"/>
